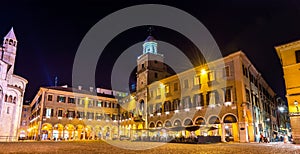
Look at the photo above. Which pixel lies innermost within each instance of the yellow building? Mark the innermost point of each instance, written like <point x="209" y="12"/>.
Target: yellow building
<point x="226" y="97"/>
<point x="64" y="113"/>
<point x="289" y="55"/>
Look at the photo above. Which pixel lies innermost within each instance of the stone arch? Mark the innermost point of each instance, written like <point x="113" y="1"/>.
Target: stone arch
<point x="168" y="123"/>
<point x="177" y="122"/>
<point x="213" y="119"/>
<point x="151" y="124"/>
<point x="229" y="118"/>
<point x="159" y="123"/>
<point x="199" y="121"/>
<point x="188" y="122"/>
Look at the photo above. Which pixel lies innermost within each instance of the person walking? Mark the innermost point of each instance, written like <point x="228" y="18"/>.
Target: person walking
<point x="261" y="138"/>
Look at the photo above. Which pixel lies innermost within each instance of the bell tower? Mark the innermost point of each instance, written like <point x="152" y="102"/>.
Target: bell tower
<point x="150" y="65"/>
<point x="8" y="53"/>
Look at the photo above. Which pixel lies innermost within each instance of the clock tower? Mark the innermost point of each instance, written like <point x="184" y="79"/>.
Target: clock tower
<point x="150" y="68"/>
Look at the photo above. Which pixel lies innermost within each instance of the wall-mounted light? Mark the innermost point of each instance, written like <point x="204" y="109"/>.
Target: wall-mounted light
<point x="203" y="71"/>
<point x="296" y="104"/>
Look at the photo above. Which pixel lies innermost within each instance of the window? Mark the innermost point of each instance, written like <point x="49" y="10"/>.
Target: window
<point x="155" y="75"/>
<point x="151" y="109"/>
<point x="7" y="110"/>
<point x="99" y="116"/>
<point x="211" y="76"/>
<point x="158" y="108"/>
<point x="198" y="100"/>
<point x="151" y="94"/>
<point x="245" y="71"/>
<point x="48" y="113"/>
<point x="90" y="103"/>
<point x="108" y="104"/>
<point x="187" y="102"/>
<point x="228" y="95"/>
<point x="143" y="65"/>
<point x="158" y="92"/>
<point x="297" y="53"/>
<point x="211" y="98"/>
<point x="71" y="100"/>
<point x="80" y="114"/>
<point x="226" y="71"/>
<point x="60" y="113"/>
<point x="176" y="86"/>
<point x="50" y="97"/>
<point x="71" y="114"/>
<point x="99" y="103"/>
<point x="176" y="104"/>
<point x="90" y="115"/>
<point x="61" y="99"/>
<point x="167" y="106"/>
<point x="196" y="80"/>
<point x="167" y="89"/>
<point x="247" y="95"/>
<point x="186" y="83"/>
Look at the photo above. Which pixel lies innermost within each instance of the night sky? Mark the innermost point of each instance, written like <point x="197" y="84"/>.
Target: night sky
<point x="49" y="34"/>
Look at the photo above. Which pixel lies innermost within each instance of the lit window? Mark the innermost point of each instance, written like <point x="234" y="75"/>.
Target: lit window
<point x="99" y="103"/>
<point x="167" y="89"/>
<point x="61" y="99"/>
<point x="48" y="113"/>
<point x="196" y="80"/>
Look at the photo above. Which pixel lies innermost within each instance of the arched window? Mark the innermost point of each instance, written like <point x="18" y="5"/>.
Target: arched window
<point x="5" y="98"/>
<point x="15" y="100"/>
<point x="10" y="98"/>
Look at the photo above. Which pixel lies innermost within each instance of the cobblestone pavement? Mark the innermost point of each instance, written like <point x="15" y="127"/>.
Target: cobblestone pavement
<point x="84" y="147"/>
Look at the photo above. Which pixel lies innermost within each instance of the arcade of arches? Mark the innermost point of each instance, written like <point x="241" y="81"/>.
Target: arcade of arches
<point x="227" y="126"/>
<point x="74" y="132"/>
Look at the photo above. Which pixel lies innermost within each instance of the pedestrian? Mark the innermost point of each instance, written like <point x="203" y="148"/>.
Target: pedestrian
<point x="261" y="138"/>
<point x="285" y="140"/>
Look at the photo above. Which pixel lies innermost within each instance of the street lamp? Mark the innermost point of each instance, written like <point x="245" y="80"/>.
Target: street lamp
<point x="296" y="104"/>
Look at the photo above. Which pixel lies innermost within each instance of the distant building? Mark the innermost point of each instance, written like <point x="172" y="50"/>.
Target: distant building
<point x="24" y="123"/>
<point x="12" y="88"/>
<point x="64" y="113"/>
<point x="230" y="100"/>
<point x="289" y="55"/>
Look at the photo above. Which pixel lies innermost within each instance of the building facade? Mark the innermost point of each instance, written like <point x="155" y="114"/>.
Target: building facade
<point x="24" y="122"/>
<point x="227" y="97"/>
<point x="64" y="113"/>
<point x="289" y="55"/>
<point x="12" y="89"/>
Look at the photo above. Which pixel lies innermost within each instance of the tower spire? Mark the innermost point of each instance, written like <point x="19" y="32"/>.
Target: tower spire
<point x="11" y="34"/>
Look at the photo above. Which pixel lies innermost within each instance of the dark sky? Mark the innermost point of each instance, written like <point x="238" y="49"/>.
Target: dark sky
<point x="49" y="34"/>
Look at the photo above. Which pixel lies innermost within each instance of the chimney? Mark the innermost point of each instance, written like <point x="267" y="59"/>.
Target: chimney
<point x="79" y="87"/>
<point x="91" y="89"/>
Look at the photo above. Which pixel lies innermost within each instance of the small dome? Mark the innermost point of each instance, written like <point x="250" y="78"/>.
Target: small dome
<point x="150" y="39"/>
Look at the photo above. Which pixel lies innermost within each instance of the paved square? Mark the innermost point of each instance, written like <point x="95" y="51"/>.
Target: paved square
<point x="84" y="147"/>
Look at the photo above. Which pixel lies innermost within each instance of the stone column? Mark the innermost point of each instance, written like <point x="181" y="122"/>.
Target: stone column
<point x="223" y="132"/>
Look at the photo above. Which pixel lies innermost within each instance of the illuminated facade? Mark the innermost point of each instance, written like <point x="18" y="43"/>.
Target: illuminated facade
<point x="24" y="122"/>
<point x="64" y="113"/>
<point x="12" y="88"/>
<point x="289" y="55"/>
<point x="230" y="100"/>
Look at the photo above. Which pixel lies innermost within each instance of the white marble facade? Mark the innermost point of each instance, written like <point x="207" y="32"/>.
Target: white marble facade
<point x="12" y="88"/>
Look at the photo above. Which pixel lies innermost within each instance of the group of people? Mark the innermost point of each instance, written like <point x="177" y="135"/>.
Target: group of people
<point x="263" y="139"/>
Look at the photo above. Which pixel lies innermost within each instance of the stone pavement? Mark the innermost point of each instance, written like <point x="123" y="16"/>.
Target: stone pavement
<point x="121" y="147"/>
